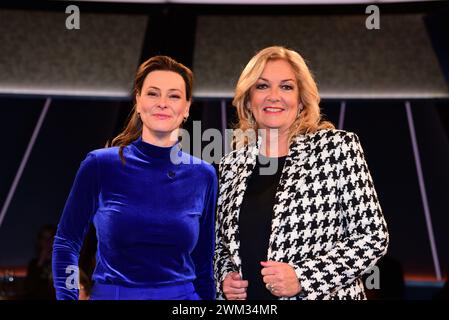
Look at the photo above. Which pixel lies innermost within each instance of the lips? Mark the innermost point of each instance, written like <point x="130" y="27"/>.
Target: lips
<point x="273" y="109"/>
<point x="161" y="116"/>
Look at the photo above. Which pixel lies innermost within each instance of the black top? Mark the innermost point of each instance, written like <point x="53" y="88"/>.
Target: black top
<point x="255" y="218"/>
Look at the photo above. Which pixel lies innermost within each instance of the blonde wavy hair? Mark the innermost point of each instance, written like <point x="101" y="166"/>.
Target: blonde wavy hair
<point x="309" y="119"/>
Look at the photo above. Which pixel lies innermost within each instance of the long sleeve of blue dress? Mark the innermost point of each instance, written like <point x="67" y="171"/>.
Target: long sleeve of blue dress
<point x="154" y="220"/>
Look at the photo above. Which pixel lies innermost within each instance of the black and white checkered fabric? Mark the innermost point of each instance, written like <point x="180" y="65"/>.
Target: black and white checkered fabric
<point x="327" y="221"/>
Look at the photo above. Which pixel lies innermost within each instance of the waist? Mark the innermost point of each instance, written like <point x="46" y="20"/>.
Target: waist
<point x="182" y="291"/>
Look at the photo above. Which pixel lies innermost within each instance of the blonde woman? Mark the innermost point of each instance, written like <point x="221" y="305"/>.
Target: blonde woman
<point x="311" y="228"/>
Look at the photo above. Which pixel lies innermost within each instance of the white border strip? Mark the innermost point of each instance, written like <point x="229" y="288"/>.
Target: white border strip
<point x="24" y="161"/>
<point x="255" y="2"/>
<point x="422" y="189"/>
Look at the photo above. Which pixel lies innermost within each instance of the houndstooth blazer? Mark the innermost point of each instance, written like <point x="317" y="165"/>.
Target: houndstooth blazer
<point x="327" y="222"/>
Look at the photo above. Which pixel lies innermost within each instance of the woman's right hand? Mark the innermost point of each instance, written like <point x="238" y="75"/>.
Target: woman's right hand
<point x="234" y="288"/>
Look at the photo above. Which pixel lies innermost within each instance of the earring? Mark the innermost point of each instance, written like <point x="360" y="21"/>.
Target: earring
<point x="185" y="119"/>
<point x="300" y="108"/>
<point x="251" y="119"/>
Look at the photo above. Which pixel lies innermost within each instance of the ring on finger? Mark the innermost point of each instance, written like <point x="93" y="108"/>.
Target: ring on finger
<point x="271" y="287"/>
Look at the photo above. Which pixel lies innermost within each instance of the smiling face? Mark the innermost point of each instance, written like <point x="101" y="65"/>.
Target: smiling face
<point x="162" y="104"/>
<point x="274" y="98"/>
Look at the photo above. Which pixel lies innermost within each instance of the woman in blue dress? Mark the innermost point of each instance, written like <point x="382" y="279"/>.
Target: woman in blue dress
<point x="155" y="231"/>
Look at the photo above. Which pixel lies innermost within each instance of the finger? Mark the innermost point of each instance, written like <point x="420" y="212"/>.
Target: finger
<point x="235" y="276"/>
<point x="275" y="289"/>
<point x="232" y="290"/>
<point x="228" y="277"/>
<point x="238" y="291"/>
<point x="230" y="296"/>
<point x="277" y="293"/>
<point x="269" y="271"/>
<point x="239" y="284"/>
<point x="236" y="286"/>
<point x="270" y="263"/>
<point x="241" y="296"/>
<point x="231" y="284"/>
<point x="269" y="279"/>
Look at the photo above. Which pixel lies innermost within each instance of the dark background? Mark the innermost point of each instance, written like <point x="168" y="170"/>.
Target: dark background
<point x="79" y="121"/>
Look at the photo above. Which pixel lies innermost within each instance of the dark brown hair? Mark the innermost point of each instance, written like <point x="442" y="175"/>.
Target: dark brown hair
<point x="133" y="128"/>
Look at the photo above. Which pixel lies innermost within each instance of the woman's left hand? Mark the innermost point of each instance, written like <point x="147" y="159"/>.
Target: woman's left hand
<point x="280" y="278"/>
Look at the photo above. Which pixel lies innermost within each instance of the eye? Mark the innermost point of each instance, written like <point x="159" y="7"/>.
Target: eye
<point x="261" y="86"/>
<point x="152" y="94"/>
<point x="287" y="87"/>
<point x="175" y="96"/>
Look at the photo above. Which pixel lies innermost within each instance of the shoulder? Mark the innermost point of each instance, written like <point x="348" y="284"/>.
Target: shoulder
<point x="104" y="154"/>
<point x="99" y="158"/>
<point x="328" y="139"/>
<point x="330" y="135"/>
<point x="200" y="166"/>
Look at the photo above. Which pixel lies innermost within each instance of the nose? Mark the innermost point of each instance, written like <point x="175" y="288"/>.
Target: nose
<point x="273" y="95"/>
<point x="163" y="101"/>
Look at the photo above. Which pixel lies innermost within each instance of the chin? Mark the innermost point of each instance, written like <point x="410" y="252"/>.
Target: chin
<point x="272" y="125"/>
<point x="163" y="130"/>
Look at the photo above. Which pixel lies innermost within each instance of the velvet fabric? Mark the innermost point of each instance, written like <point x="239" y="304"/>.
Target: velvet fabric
<point x="154" y="219"/>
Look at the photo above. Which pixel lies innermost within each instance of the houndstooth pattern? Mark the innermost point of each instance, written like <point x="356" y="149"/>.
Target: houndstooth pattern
<point x="327" y="222"/>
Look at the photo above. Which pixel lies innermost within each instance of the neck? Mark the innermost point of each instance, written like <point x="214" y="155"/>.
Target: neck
<point x="274" y="143"/>
<point x="160" y="140"/>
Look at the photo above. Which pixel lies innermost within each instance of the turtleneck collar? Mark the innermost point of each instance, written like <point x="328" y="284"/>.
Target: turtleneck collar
<point x="154" y="151"/>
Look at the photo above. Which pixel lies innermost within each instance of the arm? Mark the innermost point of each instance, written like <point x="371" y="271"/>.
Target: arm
<point x="222" y="260"/>
<point x="366" y="237"/>
<point x="204" y="251"/>
<point x="81" y="204"/>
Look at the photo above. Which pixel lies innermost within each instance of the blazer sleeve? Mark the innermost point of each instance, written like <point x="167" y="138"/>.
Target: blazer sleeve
<point x="79" y="209"/>
<point x="366" y="230"/>
<point x="203" y="253"/>
<point x="222" y="258"/>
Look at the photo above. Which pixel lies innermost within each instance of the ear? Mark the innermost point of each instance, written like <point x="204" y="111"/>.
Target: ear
<point x="138" y="102"/>
<point x="300" y="106"/>
<point x="186" y="113"/>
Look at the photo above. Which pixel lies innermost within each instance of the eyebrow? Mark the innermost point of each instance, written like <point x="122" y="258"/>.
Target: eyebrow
<point x="172" y="89"/>
<point x="281" y="80"/>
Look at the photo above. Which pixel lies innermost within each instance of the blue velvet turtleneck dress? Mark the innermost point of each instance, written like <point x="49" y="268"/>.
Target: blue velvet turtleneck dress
<point x="154" y="219"/>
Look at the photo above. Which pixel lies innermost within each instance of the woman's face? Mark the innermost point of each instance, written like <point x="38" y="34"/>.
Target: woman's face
<point x="274" y="98"/>
<point x="162" y="103"/>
